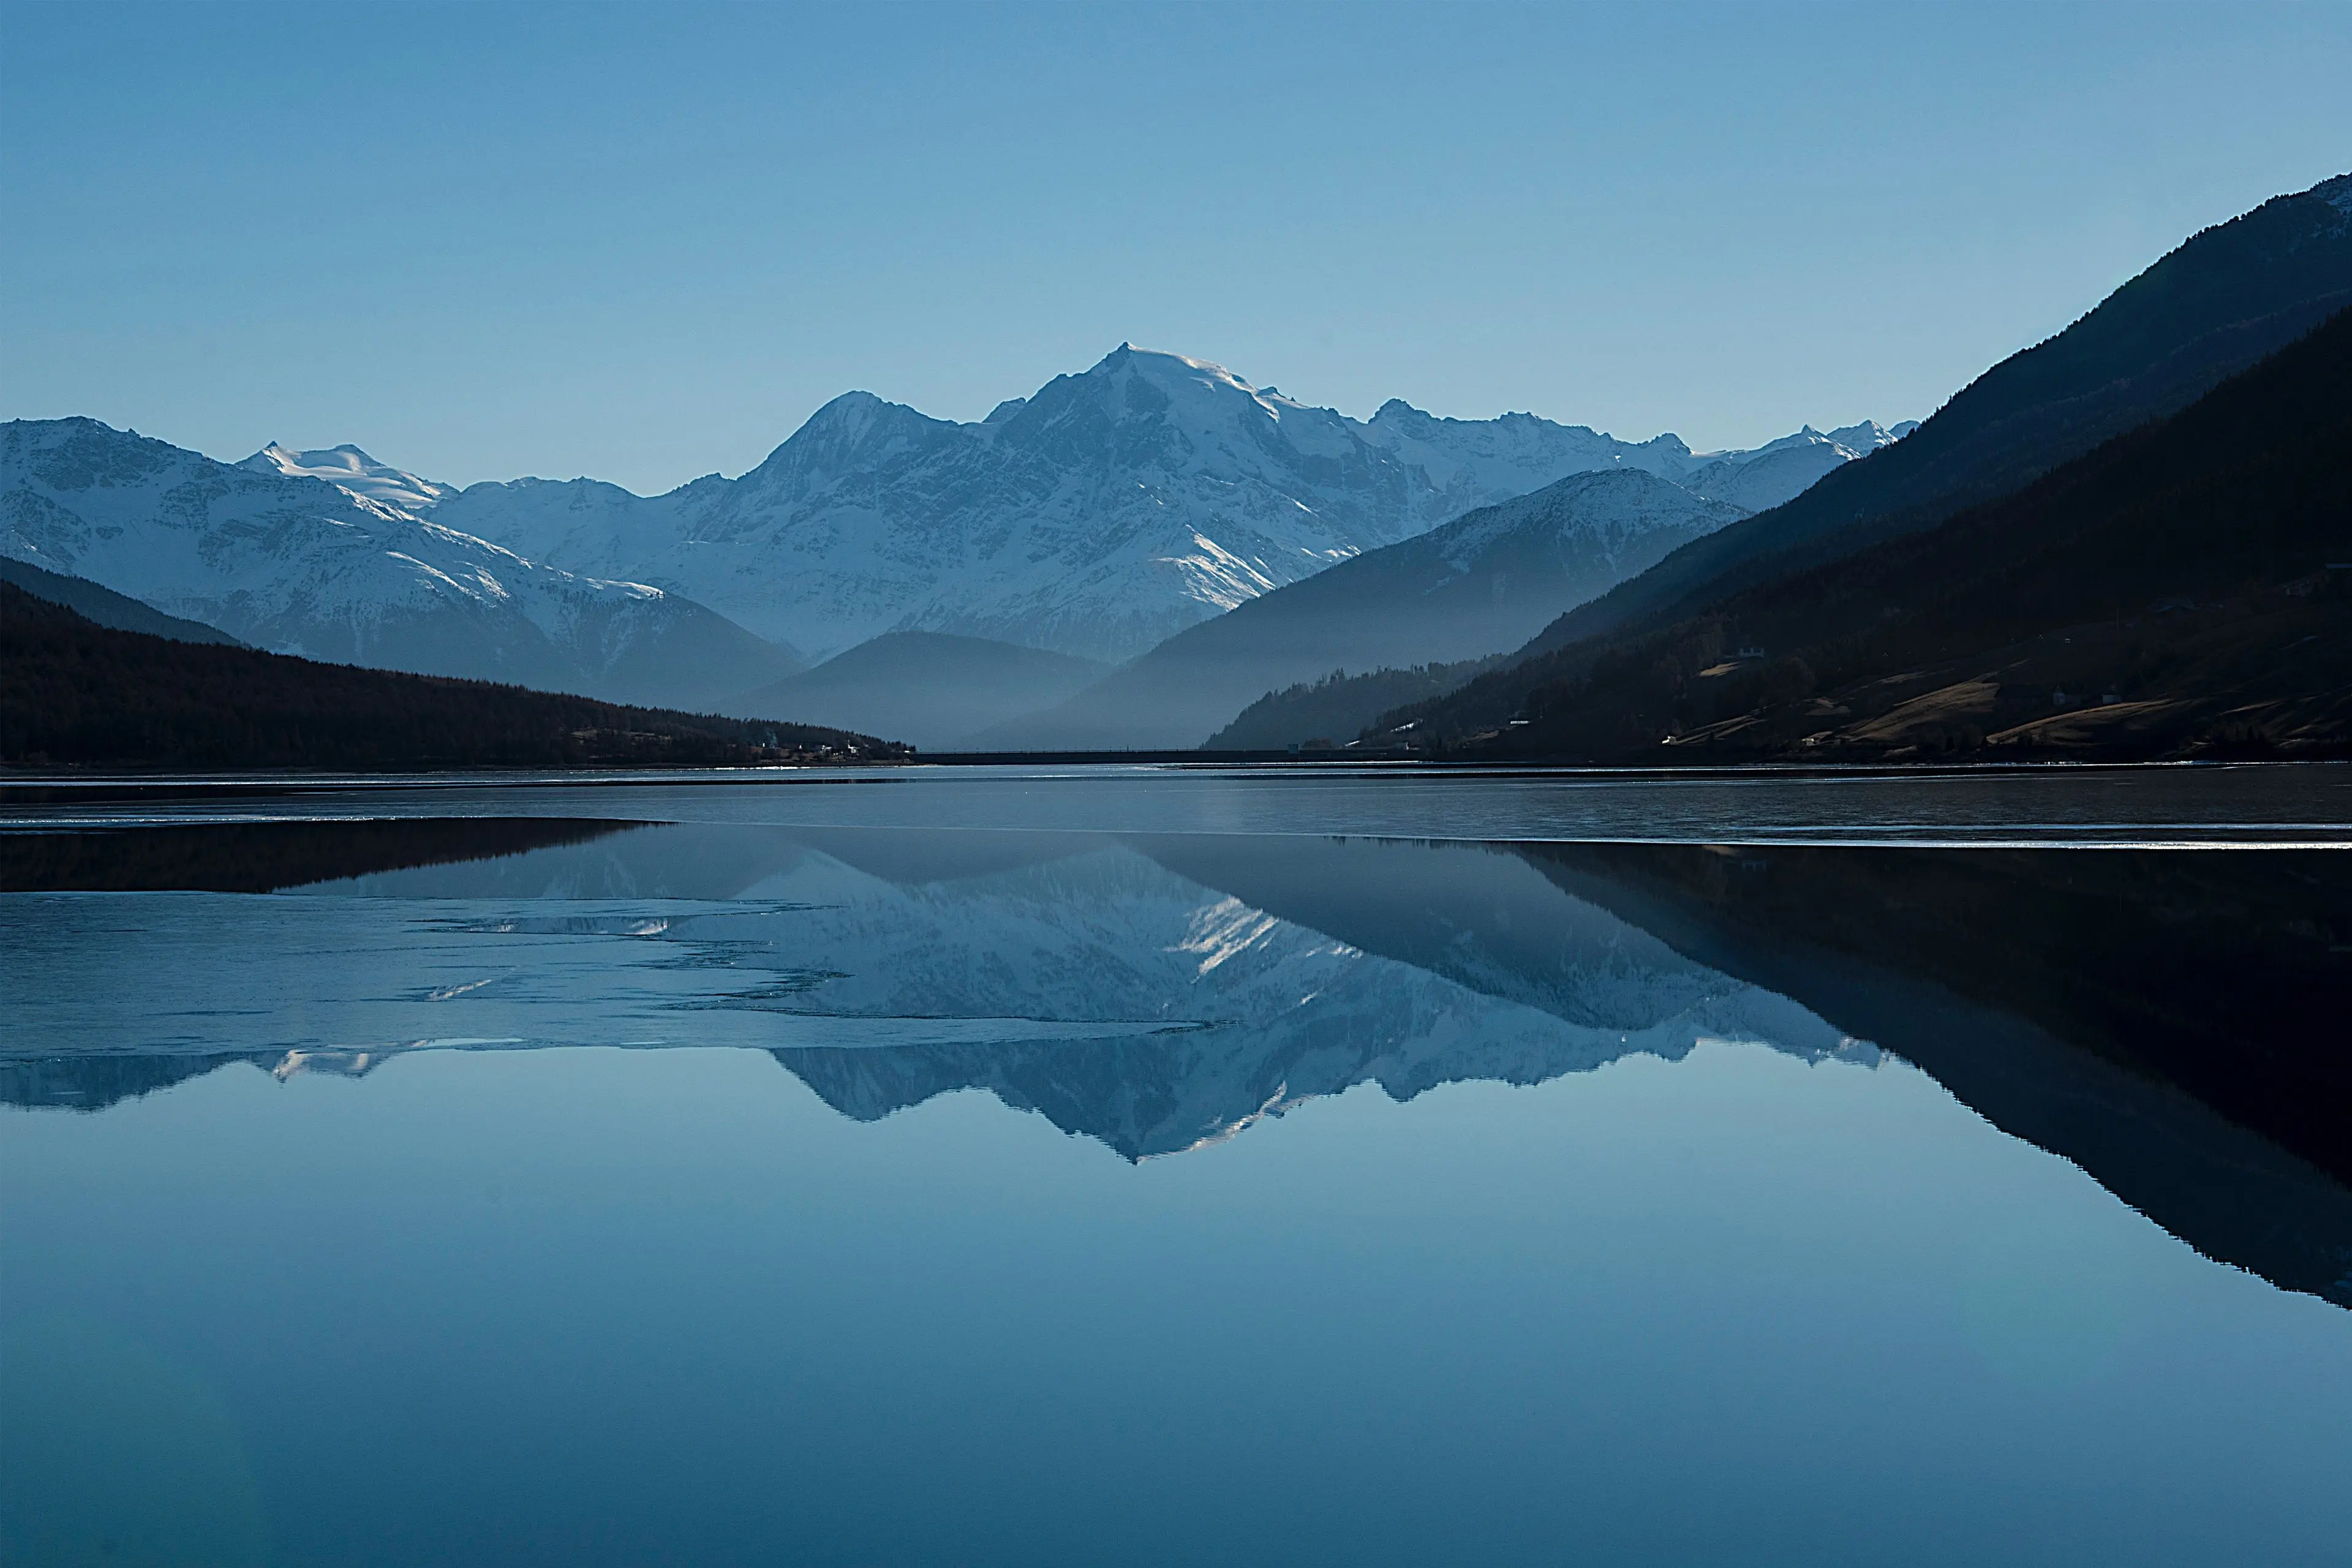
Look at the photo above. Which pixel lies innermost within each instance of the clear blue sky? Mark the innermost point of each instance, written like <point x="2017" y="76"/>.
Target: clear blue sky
<point x="645" y="242"/>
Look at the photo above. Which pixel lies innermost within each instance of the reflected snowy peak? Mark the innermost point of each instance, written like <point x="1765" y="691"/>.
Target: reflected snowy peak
<point x="1161" y="993"/>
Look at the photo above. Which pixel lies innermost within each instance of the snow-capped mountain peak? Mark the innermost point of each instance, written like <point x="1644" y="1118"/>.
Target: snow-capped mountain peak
<point x="856" y="432"/>
<point x="1172" y="416"/>
<point x="1867" y="437"/>
<point x="1105" y="511"/>
<point x="1204" y="384"/>
<point x="295" y="563"/>
<point x="1779" y="470"/>
<point x="355" y="471"/>
<point x="1847" y="442"/>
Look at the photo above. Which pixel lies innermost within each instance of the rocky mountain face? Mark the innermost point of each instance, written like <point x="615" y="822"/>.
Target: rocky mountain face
<point x="1095" y="518"/>
<point x="1480" y="585"/>
<point x="290" y="563"/>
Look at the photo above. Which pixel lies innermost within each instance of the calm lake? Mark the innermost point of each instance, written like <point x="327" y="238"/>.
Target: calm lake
<point x="1176" y="1166"/>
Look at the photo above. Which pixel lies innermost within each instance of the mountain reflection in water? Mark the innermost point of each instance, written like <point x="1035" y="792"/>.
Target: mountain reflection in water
<point x="2169" y="1021"/>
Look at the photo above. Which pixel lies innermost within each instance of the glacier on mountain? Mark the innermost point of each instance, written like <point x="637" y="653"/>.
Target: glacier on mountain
<point x="292" y="563"/>
<point x="353" y="470"/>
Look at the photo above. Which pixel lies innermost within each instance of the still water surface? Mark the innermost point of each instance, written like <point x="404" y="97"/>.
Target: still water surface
<point x="1178" y="1168"/>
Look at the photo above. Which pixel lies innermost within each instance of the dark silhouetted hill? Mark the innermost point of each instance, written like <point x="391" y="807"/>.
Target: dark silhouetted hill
<point x="1338" y="707"/>
<point x="2186" y="590"/>
<point x="75" y="693"/>
<point x="2218" y="303"/>
<point x="95" y="603"/>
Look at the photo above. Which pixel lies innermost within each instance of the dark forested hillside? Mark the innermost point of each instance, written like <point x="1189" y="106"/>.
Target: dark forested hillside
<point x="1338" y="706"/>
<point x="102" y="604"/>
<point x="2183" y="591"/>
<point x="75" y="693"/>
<point x="2217" y="304"/>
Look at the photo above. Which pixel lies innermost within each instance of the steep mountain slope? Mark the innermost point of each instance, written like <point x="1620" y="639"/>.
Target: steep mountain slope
<point x="105" y="607"/>
<point x="74" y="692"/>
<point x="2180" y="591"/>
<point x="2217" y="304"/>
<point x="1097" y="517"/>
<point x="296" y="564"/>
<point x="929" y="689"/>
<point x="1475" y="587"/>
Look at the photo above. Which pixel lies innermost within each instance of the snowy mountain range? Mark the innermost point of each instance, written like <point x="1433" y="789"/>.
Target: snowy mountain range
<point x="1782" y="469"/>
<point x="288" y="562"/>
<point x="1095" y="517"/>
<point x="355" y="471"/>
<point x="1478" y="585"/>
